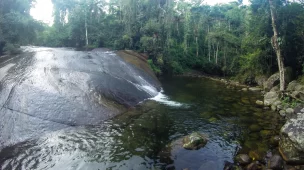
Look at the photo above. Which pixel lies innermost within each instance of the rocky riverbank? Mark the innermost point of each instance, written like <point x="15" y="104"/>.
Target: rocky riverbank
<point x="289" y="151"/>
<point x="289" y="155"/>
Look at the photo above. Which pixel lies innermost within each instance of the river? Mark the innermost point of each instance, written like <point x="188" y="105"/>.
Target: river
<point x="147" y="136"/>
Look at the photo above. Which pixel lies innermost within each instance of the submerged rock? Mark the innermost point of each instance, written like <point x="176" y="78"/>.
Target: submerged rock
<point x="243" y="159"/>
<point x="194" y="141"/>
<point x="255" y="128"/>
<point x="292" y="140"/>
<point x="275" y="162"/>
<point x="259" y="103"/>
<point x="255" y="166"/>
<point x="255" y="155"/>
<point x="255" y="89"/>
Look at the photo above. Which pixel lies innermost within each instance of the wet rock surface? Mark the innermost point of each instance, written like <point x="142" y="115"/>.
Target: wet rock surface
<point x="275" y="162"/>
<point x="194" y="141"/>
<point x="46" y="89"/>
<point x="292" y="140"/>
<point x="150" y="136"/>
<point x="243" y="159"/>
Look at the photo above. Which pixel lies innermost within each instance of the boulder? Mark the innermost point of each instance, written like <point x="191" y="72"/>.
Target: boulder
<point x="260" y="80"/>
<point x="274" y="140"/>
<point x="255" y="166"/>
<point x="259" y="103"/>
<point x="256" y="155"/>
<point x="194" y="141"/>
<point x="298" y="95"/>
<point x="275" y="88"/>
<point x="282" y="113"/>
<point x="273" y="107"/>
<point x="276" y="103"/>
<point x="254" y="89"/>
<point x="275" y="79"/>
<point x="275" y="162"/>
<point x="280" y="107"/>
<point x="292" y="140"/>
<point x="243" y="159"/>
<point x="270" y="98"/>
<point x="291" y="86"/>
<point x="244" y="89"/>
<point x="299" y="87"/>
<point x="289" y="111"/>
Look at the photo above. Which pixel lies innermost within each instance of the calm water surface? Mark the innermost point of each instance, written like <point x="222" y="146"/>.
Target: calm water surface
<point x="148" y="136"/>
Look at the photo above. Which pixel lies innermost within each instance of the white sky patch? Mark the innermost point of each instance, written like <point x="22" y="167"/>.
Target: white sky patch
<point x="213" y="2"/>
<point x="43" y="11"/>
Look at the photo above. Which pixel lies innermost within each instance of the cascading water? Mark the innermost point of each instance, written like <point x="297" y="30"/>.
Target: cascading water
<point x="59" y="87"/>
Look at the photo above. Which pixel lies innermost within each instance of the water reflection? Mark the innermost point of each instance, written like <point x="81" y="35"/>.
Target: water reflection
<point x="149" y="136"/>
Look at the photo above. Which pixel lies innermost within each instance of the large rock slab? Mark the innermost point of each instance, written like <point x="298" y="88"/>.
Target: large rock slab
<point x="274" y="79"/>
<point x="292" y="140"/>
<point x="71" y="88"/>
<point x="19" y="127"/>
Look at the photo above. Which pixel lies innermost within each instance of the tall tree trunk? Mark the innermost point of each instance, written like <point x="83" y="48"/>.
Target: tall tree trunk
<point x="217" y="51"/>
<point x="86" y="24"/>
<point x="196" y="41"/>
<point x="209" y="50"/>
<point x="86" y="32"/>
<point x="214" y="52"/>
<point x="276" y="46"/>
<point x="177" y="29"/>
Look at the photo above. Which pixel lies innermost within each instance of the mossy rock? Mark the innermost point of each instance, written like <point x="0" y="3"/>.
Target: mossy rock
<point x="213" y="120"/>
<point x="194" y="141"/>
<point x="265" y="134"/>
<point x="251" y="144"/>
<point x="255" y="155"/>
<point x="274" y="140"/>
<point x="243" y="159"/>
<point x="254" y="136"/>
<point x="255" y="128"/>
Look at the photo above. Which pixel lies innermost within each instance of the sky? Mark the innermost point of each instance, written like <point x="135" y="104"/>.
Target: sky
<point x="43" y="9"/>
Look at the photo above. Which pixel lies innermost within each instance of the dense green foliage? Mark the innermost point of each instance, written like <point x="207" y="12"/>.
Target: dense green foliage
<point x="17" y="27"/>
<point x="225" y="39"/>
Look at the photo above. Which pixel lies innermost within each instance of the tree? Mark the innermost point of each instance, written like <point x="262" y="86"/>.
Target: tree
<point x="276" y="46"/>
<point x="17" y="27"/>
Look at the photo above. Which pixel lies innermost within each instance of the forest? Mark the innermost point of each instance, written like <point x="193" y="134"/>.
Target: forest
<point x="233" y="39"/>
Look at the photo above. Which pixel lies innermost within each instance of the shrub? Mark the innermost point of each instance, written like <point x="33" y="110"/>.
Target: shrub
<point x="155" y="69"/>
<point x="176" y="67"/>
<point x="12" y="49"/>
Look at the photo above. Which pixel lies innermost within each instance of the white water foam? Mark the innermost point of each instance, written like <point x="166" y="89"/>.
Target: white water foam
<point x="162" y="98"/>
